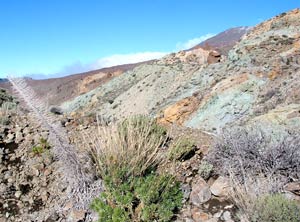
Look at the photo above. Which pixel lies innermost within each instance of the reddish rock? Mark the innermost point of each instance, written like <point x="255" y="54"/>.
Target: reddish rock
<point x="213" y="57"/>
<point x="180" y="111"/>
<point x="200" y="192"/>
<point x="199" y="216"/>
<point x="220" y="187"/>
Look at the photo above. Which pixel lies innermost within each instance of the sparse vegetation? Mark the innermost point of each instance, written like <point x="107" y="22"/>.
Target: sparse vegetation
<point x="4" y="120"/>
<point x="142" y="125"/>
<point x="182" y="149"/>
<point x="257" y="203"/>
<point x="133" y="144"/>
<point x="251" y="152"/>
<point x="258" y="166"/>
<point x="37" y="150"/>
<point x="205" y="169"/>
<point x="8" y="106"/>
<point x="127" y="155"/>
<point x="41" y="147"/>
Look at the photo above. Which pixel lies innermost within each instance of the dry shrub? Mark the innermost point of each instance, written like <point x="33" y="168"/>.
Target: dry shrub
<point x="133" y="146"/>
<point x="257" y="203"/>
<point x="256" y="165"/>
<point x="6" y="110"/>
<point x="250" y="152"/>
<point x="81" y="184"/>
<point x="244" y="195"/>
<point x="127" y="155"/>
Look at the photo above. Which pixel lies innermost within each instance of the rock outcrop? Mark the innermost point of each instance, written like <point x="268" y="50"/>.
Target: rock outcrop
<point x="260" y="80"/>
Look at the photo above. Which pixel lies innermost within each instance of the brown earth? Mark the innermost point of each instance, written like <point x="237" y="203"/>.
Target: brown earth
<point x="58" y="90"/>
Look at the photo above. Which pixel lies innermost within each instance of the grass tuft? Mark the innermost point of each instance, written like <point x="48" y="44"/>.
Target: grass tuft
<point x="127" y="155"/>
<point x="182" y="149"/>
<point x="134" y="145"/>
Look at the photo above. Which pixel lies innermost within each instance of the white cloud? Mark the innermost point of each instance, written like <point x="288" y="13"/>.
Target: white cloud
<point x="109" y="61"/>
<point x="119" y="59"/>
<point x="192" y="42"/>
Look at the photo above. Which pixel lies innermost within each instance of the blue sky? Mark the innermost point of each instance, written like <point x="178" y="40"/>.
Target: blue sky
<point x="68" y="36"/>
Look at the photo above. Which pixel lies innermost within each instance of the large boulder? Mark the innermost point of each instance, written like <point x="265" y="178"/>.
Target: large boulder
<point x="200" y="192"/>
<point x="178" y="112"/>
<point x="56" y="110"/>
<point x="220" y="187"/>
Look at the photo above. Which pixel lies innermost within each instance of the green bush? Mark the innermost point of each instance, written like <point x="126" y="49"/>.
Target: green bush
<point x="6" y="99"/>
<point x="205" y="169"/>
<point x="9" y="106"/>
<point x="149" y="198"/>
<point x="108" y="213"/>
<point x="41" y="147"/>
<point x="275" y="208"/>
<point x="182" y="149"/>
<point x="159" y="196"/>
<point x="37" y="150"/>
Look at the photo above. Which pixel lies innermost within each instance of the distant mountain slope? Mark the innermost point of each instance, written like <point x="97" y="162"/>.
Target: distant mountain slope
<point x="3" y="80"/>
<point x="58" y="90"/>
<point x="224" y="41"/>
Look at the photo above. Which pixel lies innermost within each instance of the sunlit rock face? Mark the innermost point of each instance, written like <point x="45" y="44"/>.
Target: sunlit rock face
<point x="257" y="83"/>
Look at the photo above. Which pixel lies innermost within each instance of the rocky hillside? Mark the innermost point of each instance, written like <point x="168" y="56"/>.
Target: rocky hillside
<point x="257" y="83"/>
<point x="31" y="185"/>
<point x="184" y="62"/>
<point x="182" y="166"/>
<point x="145" y="88"/>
